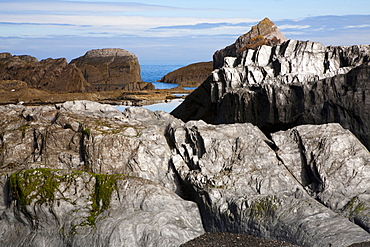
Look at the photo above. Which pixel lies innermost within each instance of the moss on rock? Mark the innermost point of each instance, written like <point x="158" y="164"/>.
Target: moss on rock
<point x="40" y="186"/>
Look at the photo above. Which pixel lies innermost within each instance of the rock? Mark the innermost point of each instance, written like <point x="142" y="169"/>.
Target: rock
<point x="330" y="162"/>
<point x="87" y="136"/>
<point x="297" y="82"/>
<point x="258" y="187"/>
<point x="189" y="76"/>
<point x="264" y="33"/>
<point x="109" y="66"/>
<point x="68" y="208"/>
<point x="303" y="185"/>
<point x="138" y="86"/>
<point x="53" y="75"/>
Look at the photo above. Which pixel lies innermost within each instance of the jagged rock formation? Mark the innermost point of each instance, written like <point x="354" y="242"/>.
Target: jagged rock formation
<point x="54" y="75"/>
<point x="264" y="33"/>
<point x="189" y="76"/>
<point x="109" y="66"/>
<point x="297" y="82"/>
<point x="304" y="185"/>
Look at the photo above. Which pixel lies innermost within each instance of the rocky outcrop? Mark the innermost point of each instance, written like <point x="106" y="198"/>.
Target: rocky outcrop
<point x="53" y="75"/>
<point x="189" y="76"/>
<point x="109" y="66"/>
<point x="52" y="199"/>
<point x="264" y="33"/>
<point x="61" y="179"/>
<point x="276" y="88"/>
<point x="299" y="192"/>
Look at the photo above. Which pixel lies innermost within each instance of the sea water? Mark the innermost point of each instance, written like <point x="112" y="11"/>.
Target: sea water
<point x="153" y="73"/>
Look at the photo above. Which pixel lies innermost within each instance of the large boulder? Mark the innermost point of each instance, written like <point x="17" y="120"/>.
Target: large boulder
<point x="109" y="66"/>
<point x="54" y="75"/>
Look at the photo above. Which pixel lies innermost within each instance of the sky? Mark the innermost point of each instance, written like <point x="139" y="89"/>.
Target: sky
<point x="170" y="32"/>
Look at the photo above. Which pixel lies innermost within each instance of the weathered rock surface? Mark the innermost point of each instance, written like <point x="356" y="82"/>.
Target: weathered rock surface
<point x="189" y="76"/>
<point x="297" y="82"/>
<point x="307" y="185"/>
<point x="54" y="75"/>
<point x="88" y="136"/>
<point x="68" y="208"/>
<point x="251" y="186"/>
<point x="330" y="159"/>
<point x="264" y="33"/>
<point x="109" y="66"/>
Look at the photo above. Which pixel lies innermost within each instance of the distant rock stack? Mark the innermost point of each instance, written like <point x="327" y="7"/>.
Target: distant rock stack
<point x="191" y="75"/>
<point x="264" y="33"/>
<point x="109" y="66"/>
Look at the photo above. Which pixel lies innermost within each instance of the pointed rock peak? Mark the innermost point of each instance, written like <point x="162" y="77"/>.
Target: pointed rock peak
<point x="264" y="33"/>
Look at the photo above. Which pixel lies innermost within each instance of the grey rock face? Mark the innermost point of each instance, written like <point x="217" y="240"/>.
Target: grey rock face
<point x="67" y="208"/>
<point x="330" y="164"/>
<point x="297" y="82"/>
<point x="249" y="187"/>
<point x="87" y="136"/>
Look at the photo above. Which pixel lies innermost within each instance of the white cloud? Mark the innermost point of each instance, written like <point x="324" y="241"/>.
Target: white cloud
<point x="110" y="25"/>
<point x="282" y="27"/>
<point x="78" y="7"/>
<point x="358" y="26"/>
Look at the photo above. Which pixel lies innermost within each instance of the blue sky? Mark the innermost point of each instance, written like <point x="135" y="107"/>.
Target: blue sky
<point x="170" y="32"/>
